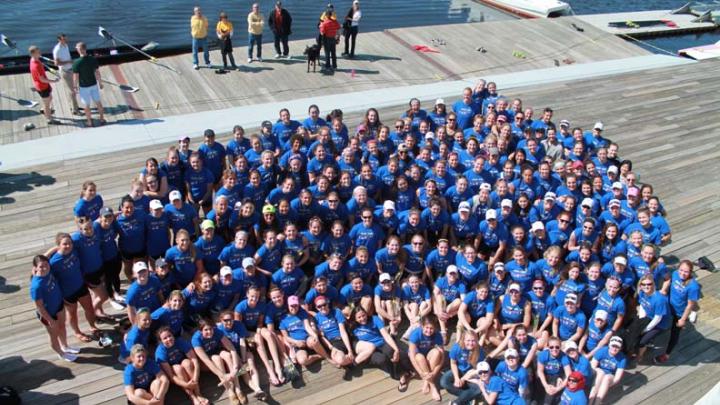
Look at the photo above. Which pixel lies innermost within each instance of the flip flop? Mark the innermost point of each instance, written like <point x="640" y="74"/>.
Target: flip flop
<point x="403" y="385"/>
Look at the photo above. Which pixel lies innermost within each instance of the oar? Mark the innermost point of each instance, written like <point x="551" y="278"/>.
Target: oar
<point x="108" y="36"/>
<point x="124" y="87"/>
<point x="150" y="46"/>
<point x="9" y="43"/>
<point x="22" y="102"/>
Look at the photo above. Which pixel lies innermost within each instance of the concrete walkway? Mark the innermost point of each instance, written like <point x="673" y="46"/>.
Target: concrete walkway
<point x="137" y="133"/>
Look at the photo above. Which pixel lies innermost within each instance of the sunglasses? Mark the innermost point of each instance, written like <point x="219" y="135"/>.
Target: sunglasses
<point x="563" y="221"/>
<point x="554" y="347"/>
<point x="333" y="201"/>
<point x="324" y="305"/>
<point x="227" y="320"/>
<point x="572" y="380"/>
<point x="538" y="288"/>
<point x="364" y="217"/>
<point x="646" y="284"/>
<point x="483" y="372"/>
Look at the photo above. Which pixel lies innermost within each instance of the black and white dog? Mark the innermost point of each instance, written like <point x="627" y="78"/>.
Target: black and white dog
<point x="312" y="54"/>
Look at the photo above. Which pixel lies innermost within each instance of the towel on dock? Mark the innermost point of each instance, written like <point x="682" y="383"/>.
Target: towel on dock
<point x="425" y="48"/>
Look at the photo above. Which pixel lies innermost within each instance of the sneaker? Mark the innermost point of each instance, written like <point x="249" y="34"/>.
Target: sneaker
<point x="259" y="59"/>
<point x="68" y="357"/>
<point x="249" y="60"/>
<point x="277" y="56"/>
<point x="195" y="66"/>
<point x="72" y="350"/>
<point x="121" y="359"/>
<point x="692" y="317"/>
<point x="663" y="358"/>
<point x="208" y="64"/>
<point x="116" y="305"/>
<point x="287" y="57"/>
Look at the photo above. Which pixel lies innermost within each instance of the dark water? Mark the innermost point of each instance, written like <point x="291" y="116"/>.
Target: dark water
<point x="167" y="21"/>
<point x="672" y="43"/>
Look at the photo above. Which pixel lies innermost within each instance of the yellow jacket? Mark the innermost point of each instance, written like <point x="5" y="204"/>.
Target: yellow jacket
<point x="256" y="22"/>
<point x="198" y="27"/>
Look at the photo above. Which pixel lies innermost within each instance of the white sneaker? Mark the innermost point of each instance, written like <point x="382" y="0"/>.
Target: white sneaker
<point x="277" y="56"/>
<point x="72" y="350"/>
<point x="116" y="305"/>
<point x="195" y="66"/>
<point x="119" y="298"/>
<point x="68" y="357"/>
<point x="288" y="57"/>
<point x="208" y="64"/>
<point x="249" y="60"/>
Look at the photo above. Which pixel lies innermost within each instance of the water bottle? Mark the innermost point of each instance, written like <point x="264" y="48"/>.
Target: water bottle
<point x="105" y="340"/>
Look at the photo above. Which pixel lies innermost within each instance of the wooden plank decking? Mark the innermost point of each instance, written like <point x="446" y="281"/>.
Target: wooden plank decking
<point x="384" y="59"/>
<point x="665" y="121"/>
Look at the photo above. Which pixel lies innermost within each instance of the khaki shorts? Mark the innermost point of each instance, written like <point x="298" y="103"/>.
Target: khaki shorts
<point x="67" y="77"/>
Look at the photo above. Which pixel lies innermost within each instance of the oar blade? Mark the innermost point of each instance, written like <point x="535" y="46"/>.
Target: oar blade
<point x="150" y="46"/>
<point x="27" y="103"/>
<point x="104" y="33"/>
<point x="128" y="89"/>
<point x="7" y="42"/>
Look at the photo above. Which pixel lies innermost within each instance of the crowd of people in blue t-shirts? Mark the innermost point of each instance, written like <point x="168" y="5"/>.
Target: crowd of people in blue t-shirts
<point x="531" y="250"/>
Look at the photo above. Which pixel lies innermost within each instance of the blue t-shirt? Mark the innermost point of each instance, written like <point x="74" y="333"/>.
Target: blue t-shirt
<point x="573" y="398"/>
<point x="108" y="246"/>
<point x="288" y="282"/>
<point x="88" y="249"/>
<point x="370" y="332"/>
<point x="131" y="231"/>
<point x="607" y="363"/>
<point x="512" y="312"/>
<point x="183" y="265"/>
<point x="158" y="237"/>
<point x="208" y="251"/>
<point x="418" y="296"/>
<point x="505" y="394"/>
<point x="170" y="318"/>
<point x="47" y="289"/>
<point x="424" y="343"/>
<point x="197" y="302"/>
<point x="478" y="308"/>
<point x="134" y="336"/>
<point x="388" y="263"/>
<point x="173" y="355"/>
<point x="516" y="379"/>
<point x="294" y="325"/>
<point x="329" y="324"/>
<point x="182" y="218"/>
<point x="450" y="291"/>
<point x="141" y="378"/>
<point x="681" y="292"/>
<point x="656" y="304"/>
<point x="569" y="323"/>
<point x="139" y="296"/>
<point x="471" y="273"/>
<point x="236" y="332"/>
<point x="250" y="316"/>
<point x="211" y="345"/>
<point x="199" y="182"/>
<point x="553" y="366"/>
<point x="462" y="358"/>
<point x="89" y="209"/>
<point x="67" y="272"/>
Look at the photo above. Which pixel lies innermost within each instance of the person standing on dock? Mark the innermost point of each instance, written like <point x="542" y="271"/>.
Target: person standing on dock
<point x="87" y="81"/>
<point x="330" y="30"/>
<point x="63" y="60"/>
<point x="350" y="28"/>
<point x="41" y="83"/>
<point x="256" y="23"/>
<point x="199" y="31"/>
<point x="224" y="30"/>
<point x="280" y="22"/>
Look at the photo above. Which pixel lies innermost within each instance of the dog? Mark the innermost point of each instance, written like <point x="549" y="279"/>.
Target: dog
<point x="313" y="54"/>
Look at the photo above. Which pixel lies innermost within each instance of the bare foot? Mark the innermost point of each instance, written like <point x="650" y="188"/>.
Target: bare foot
<point x="425" y="387"/>
<point x="435" y="393"/>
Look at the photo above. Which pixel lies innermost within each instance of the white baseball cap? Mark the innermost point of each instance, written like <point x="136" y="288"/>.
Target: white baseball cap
<point x="538" y="226"/>
<point x="550" y="196"/>
<point x="385" y="277"/>
<point x="155" y="204"/>
<point x="506" y="203"/>
<point x="452" y="269"/>
<point x="175" y="195"/>
<point x="139" y="266"/>
<point x="599" y="125"/>
<point x="464" y="206"/>
<point x="620" y="260"/>
<point x="225" y="270"/>
<point x="389" y="205"/>
<point x="511" y="353"/>
<point x="248" y="262"/>
<point x="601" y="314"/>
<point x="490" y="214"/>
<point x="587" y="202"/>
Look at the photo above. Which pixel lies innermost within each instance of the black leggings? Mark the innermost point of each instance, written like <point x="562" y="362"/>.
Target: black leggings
<point x="350" y="36"/>
<point x="674" y="335"/>
<point x="382" y="359"/>
<point x="112" y="270"/>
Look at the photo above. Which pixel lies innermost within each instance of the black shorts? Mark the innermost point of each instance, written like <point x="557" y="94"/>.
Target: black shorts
<point x="53" y="316"/>
<point x="75" y="297"/>
<point x="94" y="279"/>
<point x="339" y="344"/>
<point x="133" y="255"/>
<point x="45" y="93"/>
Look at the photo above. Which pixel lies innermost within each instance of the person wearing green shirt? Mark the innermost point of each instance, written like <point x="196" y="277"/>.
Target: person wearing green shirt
<point x="87" y="82"/>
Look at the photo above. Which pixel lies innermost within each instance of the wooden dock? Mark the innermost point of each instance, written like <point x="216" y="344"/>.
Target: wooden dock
<point x="664" y="120"/>
<point x="633" y="24"/>
<point x="384" y="59"/>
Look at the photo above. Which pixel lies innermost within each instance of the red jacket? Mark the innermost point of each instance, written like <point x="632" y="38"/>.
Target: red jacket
<point x="329" y="27"/>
